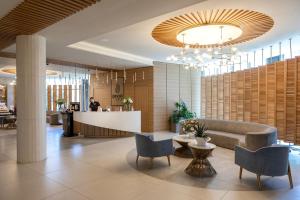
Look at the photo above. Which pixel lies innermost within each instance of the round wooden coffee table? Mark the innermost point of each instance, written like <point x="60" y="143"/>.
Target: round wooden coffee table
<point x="184" y="151"/>
<point x="200" y="166"/>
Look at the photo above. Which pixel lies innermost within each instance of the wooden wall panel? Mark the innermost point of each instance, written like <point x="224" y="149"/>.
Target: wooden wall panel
<point x="298" y="102"/>
<point x="208" y="109"/>
<point x="49" y="98"/>
<point x="54" y="95"/>
<point x="203" y="97"/>
<point x="220" y="97"/>
<point x="280" y="99"/>
<point x="291" y="75"/>
<point x="262" y="95"/>
<point x="271" y="95"/>
<point x="70" y="93"/>
<point x="214" y="97"/>
<point x="267" y="94"/>
<point x="66" y="94"/>
<point x="233" y="96"/>
<point x="247" y="95"/>
<point x="240" y="96"/>
<point x="60" y="91"/>
<point x="32" y="16"/>
<point x="254" y="95"/>
<point x="226" y="96"/>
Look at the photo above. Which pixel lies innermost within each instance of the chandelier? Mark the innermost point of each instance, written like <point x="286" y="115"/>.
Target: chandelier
<point x="207" y="38"/>
<point x="214" y="54"/>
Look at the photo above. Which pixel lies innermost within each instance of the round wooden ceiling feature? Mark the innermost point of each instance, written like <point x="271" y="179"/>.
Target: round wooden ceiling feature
<point x="253" y="24"/>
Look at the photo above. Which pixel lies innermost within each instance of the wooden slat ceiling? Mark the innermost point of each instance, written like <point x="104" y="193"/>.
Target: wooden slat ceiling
<point x="252" y="23"/>
<point x="32" y="16"/>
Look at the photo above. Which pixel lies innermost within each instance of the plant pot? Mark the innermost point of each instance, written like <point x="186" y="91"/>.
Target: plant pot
<point x="175" y="127"/>
<point x="200" y="141"/>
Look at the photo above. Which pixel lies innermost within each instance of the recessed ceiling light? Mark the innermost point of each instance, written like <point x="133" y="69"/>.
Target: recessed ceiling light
<point x="209" y="34"/>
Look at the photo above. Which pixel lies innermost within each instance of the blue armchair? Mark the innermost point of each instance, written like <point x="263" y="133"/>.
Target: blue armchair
<point x="147" y="147"/>
<point x="268" y="161"/>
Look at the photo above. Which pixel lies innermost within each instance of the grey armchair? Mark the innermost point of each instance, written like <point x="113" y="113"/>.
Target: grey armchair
<point x="268" y="161"/>
<point x="147" y="147"/>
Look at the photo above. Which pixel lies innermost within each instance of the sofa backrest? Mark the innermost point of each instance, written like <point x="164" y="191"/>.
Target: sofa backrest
<point x="238" y="127"/>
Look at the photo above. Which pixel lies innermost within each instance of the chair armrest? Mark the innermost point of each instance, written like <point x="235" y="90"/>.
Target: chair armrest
<point x="245" y="157"/>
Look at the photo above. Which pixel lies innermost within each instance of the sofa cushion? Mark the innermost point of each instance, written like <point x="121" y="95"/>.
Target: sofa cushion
<point x="225" y="139"/>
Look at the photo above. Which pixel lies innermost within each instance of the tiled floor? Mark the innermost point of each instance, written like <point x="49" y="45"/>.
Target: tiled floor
<point x="104" y="169"/>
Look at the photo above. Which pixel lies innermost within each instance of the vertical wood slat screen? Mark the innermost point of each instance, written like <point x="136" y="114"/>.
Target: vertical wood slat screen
<point x="208" y="98"/>
<point x="226" y="96"/>
<point x="57" y="92"/>
<point x="214" y="97"/>
<point x="220" y="94"/>
<point x="49" y="97"/>
<point x="54" y="95"/>
<point x="267" y="94"/>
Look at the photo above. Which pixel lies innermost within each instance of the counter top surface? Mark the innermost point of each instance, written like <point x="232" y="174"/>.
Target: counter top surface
<point x="124" y="121"/>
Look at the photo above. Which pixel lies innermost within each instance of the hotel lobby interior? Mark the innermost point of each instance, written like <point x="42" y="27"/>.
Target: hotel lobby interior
<point x="140" y="100"/>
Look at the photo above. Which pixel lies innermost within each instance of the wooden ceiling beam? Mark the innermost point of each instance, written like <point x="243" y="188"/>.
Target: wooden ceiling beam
<point x="32" y="16"/>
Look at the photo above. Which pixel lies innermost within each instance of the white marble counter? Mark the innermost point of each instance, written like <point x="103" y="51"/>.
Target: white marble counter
<point x="122" y="121"/>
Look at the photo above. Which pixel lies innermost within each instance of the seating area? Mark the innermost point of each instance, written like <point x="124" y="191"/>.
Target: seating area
<point x="228" y="134"/>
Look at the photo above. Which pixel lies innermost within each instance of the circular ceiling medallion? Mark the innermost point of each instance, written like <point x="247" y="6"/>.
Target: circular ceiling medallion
<point x="202" y="29"/>
<point x="12" y="70"/>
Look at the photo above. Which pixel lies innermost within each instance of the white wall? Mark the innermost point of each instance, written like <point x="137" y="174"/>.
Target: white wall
<point x="171" y="83"/>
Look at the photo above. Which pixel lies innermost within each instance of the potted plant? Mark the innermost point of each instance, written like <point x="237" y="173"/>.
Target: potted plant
<point x="180" y="113"/>
<point x="127" y="103"/>
<point x="60" y="102"/>
<point x="198" y="129"/>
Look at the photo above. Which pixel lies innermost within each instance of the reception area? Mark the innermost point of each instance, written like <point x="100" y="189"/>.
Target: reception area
<point x="138" y="100"/>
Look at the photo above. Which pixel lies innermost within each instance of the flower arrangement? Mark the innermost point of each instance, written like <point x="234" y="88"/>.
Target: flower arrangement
<point x="60" y="102"/>
<point x="127" y="102"/>
<point x="198" y="128"/>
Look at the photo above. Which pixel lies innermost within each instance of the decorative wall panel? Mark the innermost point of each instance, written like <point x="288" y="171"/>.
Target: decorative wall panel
<point x="254" y="95"/>
<point x="220" y="96"/>
<point x="290" y="95"/>
<point x="280" y="98"/>
<point x="267" y="94"/>
<point x="214" y="97"/>
<point x="271" y="94"/>
<point x="208" y="109"/>
<point x="262" y="94"/>
<point x="226" y="96"/>
<point x="247" y="95"/>
<point x="233" y="96"/>
<point x="240" y="96"/>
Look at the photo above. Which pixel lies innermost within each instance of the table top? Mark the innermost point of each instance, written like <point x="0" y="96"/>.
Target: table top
<point x="183" y="138"/>
<point x="208" y="146"/>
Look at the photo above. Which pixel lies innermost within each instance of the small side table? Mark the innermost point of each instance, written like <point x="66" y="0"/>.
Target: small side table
<point x="184" y="151"/>
<point x="200" y="166"/>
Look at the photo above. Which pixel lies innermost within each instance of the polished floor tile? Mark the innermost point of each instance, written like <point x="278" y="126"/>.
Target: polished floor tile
<point x="91" y="169"/>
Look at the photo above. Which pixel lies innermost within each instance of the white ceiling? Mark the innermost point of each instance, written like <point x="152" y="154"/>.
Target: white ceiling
<point x="125" y="26"/>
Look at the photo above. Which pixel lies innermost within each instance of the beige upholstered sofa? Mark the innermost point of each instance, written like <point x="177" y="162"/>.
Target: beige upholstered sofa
<point x="228" y="134"/>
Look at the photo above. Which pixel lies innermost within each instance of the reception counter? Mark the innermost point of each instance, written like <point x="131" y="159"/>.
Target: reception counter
<point x="107" y="124"/>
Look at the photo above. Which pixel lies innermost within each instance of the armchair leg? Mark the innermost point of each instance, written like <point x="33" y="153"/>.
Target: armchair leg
<point x="290" y="176"/>
<point x="258" y="181"/>
<point x="169" y="162"/>
<point x="151" y="162"/>
<point x="137" y="161"/>
<point x="241" y="172"/>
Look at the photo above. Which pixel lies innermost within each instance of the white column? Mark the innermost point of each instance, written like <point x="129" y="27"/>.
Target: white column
<point x="31" y="94"/>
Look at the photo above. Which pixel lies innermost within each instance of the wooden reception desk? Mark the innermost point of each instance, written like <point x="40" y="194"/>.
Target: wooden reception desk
<point x="107" y="124"/>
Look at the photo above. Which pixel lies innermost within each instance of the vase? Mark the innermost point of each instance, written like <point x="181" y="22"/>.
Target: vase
<point x="201" y="141"/>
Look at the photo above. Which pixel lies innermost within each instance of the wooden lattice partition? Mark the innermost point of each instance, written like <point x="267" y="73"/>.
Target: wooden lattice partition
<point x="268" y="94"/>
